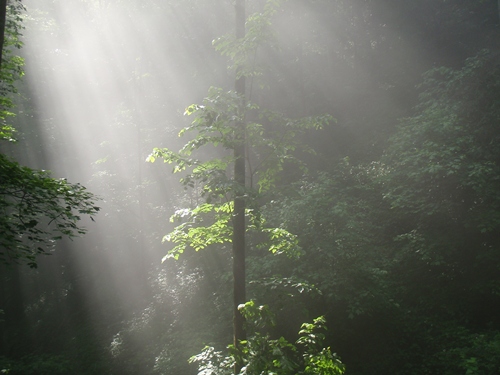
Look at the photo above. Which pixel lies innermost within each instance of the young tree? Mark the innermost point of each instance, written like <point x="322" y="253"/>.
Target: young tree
<point x="239" y="226"/>
<point x="256" y="151"/>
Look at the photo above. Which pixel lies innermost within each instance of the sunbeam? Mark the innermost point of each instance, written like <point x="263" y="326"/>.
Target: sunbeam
<point x="334" y="162"/>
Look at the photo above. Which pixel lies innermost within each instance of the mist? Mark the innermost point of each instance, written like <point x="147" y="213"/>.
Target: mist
<point x="106" y="81"/>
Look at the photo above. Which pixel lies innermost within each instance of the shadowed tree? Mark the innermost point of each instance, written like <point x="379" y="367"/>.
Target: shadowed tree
<point x="3" y="14"/>
<point x="239" y="227"/>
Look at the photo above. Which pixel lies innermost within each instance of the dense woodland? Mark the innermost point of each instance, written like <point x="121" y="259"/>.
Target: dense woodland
<point x="372" y="190"/>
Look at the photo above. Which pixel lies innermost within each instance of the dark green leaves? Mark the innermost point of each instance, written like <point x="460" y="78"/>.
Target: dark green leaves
<point x="448" y="152"/>
<point x="36" y="210"/>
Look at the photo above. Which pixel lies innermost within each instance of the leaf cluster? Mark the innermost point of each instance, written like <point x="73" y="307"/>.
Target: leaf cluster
<point x="407" y="246"/>
<point x="258" y="33"/>
<point x="271" y="143"/>
<point x="11" y="68"/>
<point x="262" y="354"/>
<point x="449" y="153"/>
<point x="36" y="210"/>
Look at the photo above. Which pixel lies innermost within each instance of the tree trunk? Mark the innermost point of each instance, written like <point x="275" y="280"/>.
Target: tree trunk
<point x="3" y="16"/>
<point x="239" y="228"/>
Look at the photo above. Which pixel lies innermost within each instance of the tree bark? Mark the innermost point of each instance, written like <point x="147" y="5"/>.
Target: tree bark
<point x="239" y="227"/>
<point x="3" y="17"/>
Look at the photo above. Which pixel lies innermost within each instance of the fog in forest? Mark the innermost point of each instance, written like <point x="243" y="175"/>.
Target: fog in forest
<point x="106" y="81"/>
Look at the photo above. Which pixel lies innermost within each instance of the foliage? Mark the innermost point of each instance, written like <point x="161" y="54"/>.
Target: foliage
<point x="478" y="354"/>
<point x="401" y="253"/>
<point x="443" y="183"/>
<point x="261" y="354"/>
<point x="36" y="210"/>
<point x="408" y="246"/>
<point x="241" y="51"/>
<point x="37" y="365"/>
<point x="274" y="142"/>
<point x="339" y="218"/>
<point x="449" y="152"/>
<point x="11" y="68"/>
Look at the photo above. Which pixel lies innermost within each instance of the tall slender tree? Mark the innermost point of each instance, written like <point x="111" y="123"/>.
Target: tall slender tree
<point x="239" y="227"/>
<point x="231" y="207"/>
<point x="3" y="16"/>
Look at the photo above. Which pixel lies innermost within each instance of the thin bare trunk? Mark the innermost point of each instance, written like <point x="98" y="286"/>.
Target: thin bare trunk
<point x="3" y="16"/>
<point x="239" y="228"/>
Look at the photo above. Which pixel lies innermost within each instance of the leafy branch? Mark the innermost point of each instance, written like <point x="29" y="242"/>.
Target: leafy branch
<point x="36" y="210"/>
<point x="274" y="141"/>
<point x="262" y="354"/>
